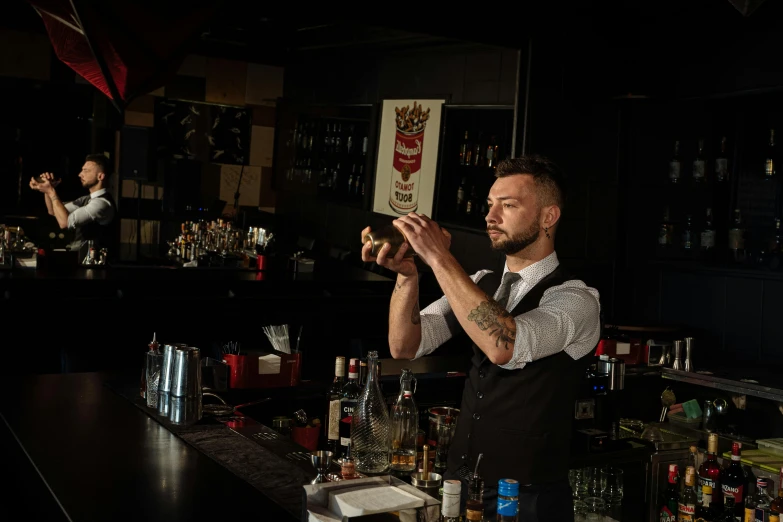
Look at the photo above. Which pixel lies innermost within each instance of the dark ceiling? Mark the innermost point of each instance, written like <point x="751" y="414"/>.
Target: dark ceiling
<point x="626" y="30"/>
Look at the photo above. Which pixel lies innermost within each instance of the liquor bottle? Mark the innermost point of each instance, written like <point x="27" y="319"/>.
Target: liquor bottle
<point x="709" y="471"/>
<point x="686" y="507"/>
<point x="477" y="152"/>
<point x="349" y="140"/>
<point x="474" y="511"/>
<point x="707" y="237"/>
<point x="722" y="163"/>
<point x="492" y="151"/>
<point x="327" y="139"/>
<point x="337" y="139"/>
<point x="451" y="501"/>
<point x="349" y="395"/>
<point x="674" y="164"/>
<point x="333" y="416"/>
<point x="508" y="501"/>
<point x="665" y="230"/>
<point x="727" y="515"/>
<point x="363" y="362"/>
<point x="404" y="425"/>
<point x="471" y="205"/>
<point x="463" y="151"/>
<point x="770" y="162"/>
<point x="737" y="238"/>
<point x="370" y="425"/>
<point x="699" y="169"/>
<point x="461" y="195"/>
<point x="365" y="141"/>
<point x="671" y="497"/>
<point x="687" y="234"/>
<point x="776" y="508"/>
<point x="705" y="511"/>
<point x="733" y="479"/>
<point x="757" y="507"/>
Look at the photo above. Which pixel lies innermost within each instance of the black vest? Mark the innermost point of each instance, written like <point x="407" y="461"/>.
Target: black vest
<point x="521" y="420"/>
<point x="103" y="236"/>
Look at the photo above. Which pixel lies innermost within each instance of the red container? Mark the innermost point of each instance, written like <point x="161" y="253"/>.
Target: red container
<point x="307" y="436"/>
<point x="243" y="371"/>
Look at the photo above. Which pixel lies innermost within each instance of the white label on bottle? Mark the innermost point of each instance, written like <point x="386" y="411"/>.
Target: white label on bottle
<point x="333" y="432"/>
<point x="721" y="169"/>
<point x="623" y="349"/>
<point x="708" y="239"/>
<point x="674" y="170"/>
<point x="450" y="506"/>
<point x="345" y="441"/>
<point x="698" y="169"/>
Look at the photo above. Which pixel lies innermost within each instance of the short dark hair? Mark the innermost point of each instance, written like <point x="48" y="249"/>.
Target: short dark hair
<point x="100" y="160"/>
<point x="549" y="179"/>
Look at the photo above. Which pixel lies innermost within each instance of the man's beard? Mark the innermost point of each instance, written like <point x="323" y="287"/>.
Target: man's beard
<point x="518" y="242"/>
<point x="89" y="184"/>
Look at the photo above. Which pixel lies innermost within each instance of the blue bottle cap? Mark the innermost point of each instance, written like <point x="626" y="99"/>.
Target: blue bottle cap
<point x="508" y="488"/>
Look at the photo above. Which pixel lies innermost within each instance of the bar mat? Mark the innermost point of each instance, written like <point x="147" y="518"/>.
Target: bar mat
<point x="272" y="475"/>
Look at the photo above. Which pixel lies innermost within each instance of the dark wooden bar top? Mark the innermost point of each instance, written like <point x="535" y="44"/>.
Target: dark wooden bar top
<point x="75" y="450"/>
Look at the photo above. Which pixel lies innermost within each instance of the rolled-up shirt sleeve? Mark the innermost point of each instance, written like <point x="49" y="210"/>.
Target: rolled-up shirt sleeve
<point x="438" y="322"/>
<point x="567" y="319"/>
<point x="98" y="209"/>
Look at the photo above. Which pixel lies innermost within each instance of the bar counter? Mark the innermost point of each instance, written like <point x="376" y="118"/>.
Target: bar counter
<point x="84" y="447"/>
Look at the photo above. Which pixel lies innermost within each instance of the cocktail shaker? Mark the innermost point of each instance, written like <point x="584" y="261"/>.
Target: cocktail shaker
<point x="677" y="365"/>
<point x="388" y="234"/>
<point x="689" y="354"/>
<point x="186" y="379"/>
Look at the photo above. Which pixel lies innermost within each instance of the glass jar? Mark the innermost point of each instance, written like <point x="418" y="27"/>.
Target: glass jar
<point x="404" y="425"/>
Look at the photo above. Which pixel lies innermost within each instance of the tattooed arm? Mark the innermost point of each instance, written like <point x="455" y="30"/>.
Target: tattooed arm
<point x="489" y="325"/>
<point x="404" y="318"/>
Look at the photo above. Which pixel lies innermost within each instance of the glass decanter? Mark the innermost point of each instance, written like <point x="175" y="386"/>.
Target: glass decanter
<point x="404" y="425"/>
<point x="370" y="425"/>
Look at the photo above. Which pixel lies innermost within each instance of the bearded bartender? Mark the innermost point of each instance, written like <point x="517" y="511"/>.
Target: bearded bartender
<point x="530" y="341"/>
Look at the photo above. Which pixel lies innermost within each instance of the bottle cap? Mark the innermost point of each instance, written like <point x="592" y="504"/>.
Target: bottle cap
<point x="761" y="482"/>
<point x="452" y="487"/>
<point x="508" y="487"/>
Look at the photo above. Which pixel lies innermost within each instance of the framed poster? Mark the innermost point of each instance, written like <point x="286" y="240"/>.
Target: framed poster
<point x="407" y="157"/>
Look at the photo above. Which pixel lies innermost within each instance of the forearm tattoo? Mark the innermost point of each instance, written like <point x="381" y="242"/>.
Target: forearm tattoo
<point x="397" y="286"/>
<point x="489" y="315"/>
<point x="415" y="315"/>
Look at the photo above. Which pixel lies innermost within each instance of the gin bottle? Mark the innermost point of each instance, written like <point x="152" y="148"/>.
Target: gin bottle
<point x="370" y="425"/>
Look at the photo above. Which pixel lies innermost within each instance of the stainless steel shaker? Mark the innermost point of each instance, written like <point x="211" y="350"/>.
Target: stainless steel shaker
<point x="167" y="371"/>
<point x="616" y="374"/>
<point x="185" y="410"/>
<point x="186" y="378"/>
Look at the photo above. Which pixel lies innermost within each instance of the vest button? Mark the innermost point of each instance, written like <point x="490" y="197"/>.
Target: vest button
<point x="479" y="395"/>
<point x="464" y="456"/>
<point x="476" y="416"/>
<point x="481" y="374"/>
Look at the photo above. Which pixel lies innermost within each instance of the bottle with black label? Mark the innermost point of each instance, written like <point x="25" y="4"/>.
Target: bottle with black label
<point x="350" y="394"/>
<point x="733" y="480"/>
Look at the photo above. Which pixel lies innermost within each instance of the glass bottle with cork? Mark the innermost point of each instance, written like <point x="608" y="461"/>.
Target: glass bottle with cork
<point x="671" y="497"/>
<point x="709" y="471"/>
<point x="348" y="398"/>
<point x="370" y="425"/>
<point x="757" y="506"/>
<point x="686" y="508"/>
<point x="333" y="395"/>
<point x="733" y="480"/>
<point x="451" y="501"/>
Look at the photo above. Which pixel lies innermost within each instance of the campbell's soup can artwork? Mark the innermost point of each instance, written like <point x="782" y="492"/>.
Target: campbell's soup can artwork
<point x="411" y="124"/>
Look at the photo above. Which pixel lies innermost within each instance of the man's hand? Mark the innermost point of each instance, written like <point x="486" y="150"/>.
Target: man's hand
<point x="404" y="266"/>
<point x="428" y="239"/>
<point x="44" y="183"/>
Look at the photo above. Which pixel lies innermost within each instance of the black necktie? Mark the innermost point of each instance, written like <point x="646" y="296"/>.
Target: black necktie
<point x="509" y="278"/>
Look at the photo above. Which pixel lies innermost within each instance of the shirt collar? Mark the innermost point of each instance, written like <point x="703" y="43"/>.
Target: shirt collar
<point x="534" y="273"/>
<point x="97" y="193"/>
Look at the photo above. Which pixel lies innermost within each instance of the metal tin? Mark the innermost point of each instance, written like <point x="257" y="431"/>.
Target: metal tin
<point x="185" y="410"/>
<point x="616" y="374"/>
<point x="388" y="234"/>
<point x="164" y="404"/>
<point x="186" y="378"/>
<point x="167" y="369"/>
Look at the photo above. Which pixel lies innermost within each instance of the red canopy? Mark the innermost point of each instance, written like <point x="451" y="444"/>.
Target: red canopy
<point x="124" y="48"/>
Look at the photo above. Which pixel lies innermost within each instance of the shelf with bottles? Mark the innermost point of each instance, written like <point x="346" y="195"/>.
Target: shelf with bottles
<point x="475" y="139"/>
<point x="326" y="152"/>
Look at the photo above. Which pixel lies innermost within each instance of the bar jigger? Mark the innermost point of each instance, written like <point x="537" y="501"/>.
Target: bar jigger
<point x="321" y="461"/>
